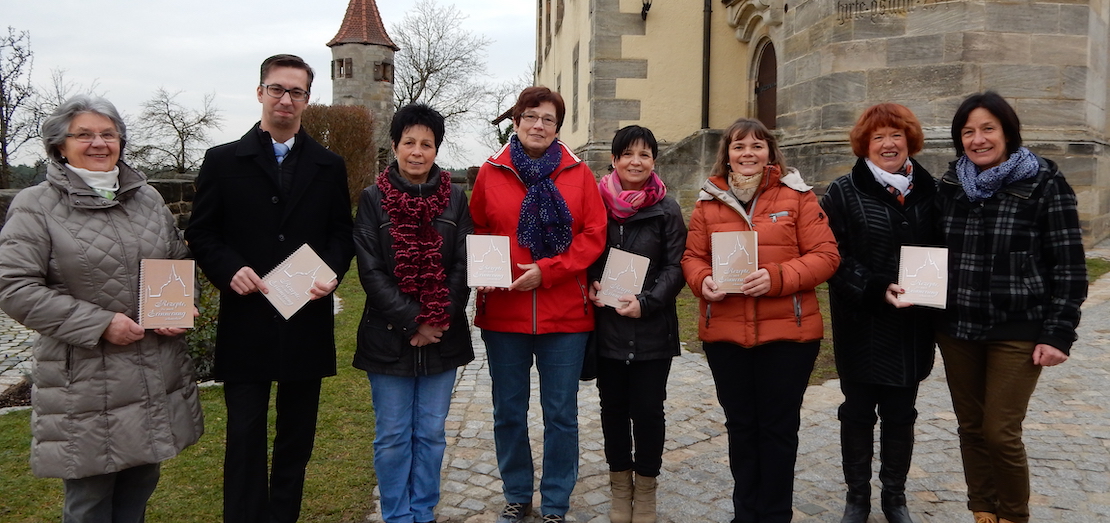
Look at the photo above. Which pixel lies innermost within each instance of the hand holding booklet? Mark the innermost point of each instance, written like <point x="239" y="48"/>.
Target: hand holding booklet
<point x="291" y="281"/>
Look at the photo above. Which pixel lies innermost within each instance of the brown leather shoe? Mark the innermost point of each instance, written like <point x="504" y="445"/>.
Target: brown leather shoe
<point x="984" y="517"/>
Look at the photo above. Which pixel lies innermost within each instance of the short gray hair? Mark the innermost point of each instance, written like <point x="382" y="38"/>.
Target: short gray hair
<point x="56" y="126"/>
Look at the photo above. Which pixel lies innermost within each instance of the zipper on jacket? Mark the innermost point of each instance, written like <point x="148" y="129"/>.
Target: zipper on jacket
<point x="535" y="321"/>
<point x="420" y="364"/>
<point x="775" y="215"/>
<point x="708" y="313"/>
<point x="797" y="310"/>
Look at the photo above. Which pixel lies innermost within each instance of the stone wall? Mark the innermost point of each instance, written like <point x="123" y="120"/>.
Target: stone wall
<point x="1047" y="57"/>
<point x="177" y="189"/>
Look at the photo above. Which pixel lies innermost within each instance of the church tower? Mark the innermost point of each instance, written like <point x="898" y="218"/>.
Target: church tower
<point x="362" y="67"/>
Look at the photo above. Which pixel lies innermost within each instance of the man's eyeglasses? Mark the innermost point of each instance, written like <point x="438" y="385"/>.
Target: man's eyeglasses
<point x="530" y="120"/>
<point x="90" y="137"/>
<point x="296" y="94"/>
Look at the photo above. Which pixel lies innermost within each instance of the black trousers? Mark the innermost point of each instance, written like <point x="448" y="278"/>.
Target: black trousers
<point x="632" y="395"/>
<point x="249" y="496"/>
<point x="895" y="405"/>
<point x="761" y="390"/>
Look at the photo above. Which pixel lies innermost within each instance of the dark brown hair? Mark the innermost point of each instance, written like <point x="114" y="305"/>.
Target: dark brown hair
<point x="286" y="60"/>
<point x="738" y="130"/>
<point x="995" y="104"/>
<point x="533" y="97"/>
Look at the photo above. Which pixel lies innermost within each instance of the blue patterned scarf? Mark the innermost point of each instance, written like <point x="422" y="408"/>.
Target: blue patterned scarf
<point x="544" y="226"/>
<point x="982" y="185"/>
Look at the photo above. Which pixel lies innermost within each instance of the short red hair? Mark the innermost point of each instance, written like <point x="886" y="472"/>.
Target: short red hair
<point x="891" y="115"/>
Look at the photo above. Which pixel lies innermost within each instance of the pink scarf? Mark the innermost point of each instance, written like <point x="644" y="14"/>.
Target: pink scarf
<point x="623" y="204"/>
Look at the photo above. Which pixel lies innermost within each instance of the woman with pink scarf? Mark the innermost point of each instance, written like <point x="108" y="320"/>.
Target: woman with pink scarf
<point x="637" y="340"/>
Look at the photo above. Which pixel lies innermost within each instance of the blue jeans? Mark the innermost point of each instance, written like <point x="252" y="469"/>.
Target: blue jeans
<point x="409" y="443"/>
<point x="559" y="362"/>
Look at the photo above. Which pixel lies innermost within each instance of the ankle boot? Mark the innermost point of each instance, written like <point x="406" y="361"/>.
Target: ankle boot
<point x="643" y="504"/>
<point x="984" y="517"/>
<point x="620" y="485"/>
<point x="857" y="444"/>
<point x="896" y="450"/>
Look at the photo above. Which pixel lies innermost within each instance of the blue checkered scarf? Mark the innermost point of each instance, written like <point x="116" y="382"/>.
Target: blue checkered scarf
<point x="982" y="185"/>
<point x="544" y="225"/>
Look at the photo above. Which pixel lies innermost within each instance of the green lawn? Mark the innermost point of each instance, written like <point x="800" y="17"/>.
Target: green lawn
<point x="340" y="475"/>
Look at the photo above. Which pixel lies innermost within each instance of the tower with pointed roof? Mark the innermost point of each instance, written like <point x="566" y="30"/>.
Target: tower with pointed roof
<point x="362" y="65"/>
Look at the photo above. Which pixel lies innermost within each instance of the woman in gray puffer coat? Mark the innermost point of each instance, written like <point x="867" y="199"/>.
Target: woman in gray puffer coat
<point x="110" y="401"/>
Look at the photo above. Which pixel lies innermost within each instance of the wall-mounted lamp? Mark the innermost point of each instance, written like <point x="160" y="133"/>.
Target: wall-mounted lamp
<point x="647" y="7"/>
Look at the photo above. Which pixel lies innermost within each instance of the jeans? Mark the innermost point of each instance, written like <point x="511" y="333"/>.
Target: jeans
<point x="408" y="446"/>
<point x="761" y="390"/>
<point x="991" y="383"/>
<point x="559" y="362"/>
<point x="118" y="497"/>
<point x="632" y="396"/>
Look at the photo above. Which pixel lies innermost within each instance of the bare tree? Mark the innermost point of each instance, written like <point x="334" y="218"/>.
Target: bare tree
<point x="493" y="132"/>
<point x="171" y="135"/>
<point x="16" y="95"/>
<point x="439" y="63"/>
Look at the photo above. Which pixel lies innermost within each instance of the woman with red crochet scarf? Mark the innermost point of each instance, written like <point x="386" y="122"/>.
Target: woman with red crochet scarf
<point x="410" y="239"/>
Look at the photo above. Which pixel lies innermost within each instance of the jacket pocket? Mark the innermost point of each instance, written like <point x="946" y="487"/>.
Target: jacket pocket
<point x="378" y="340"/>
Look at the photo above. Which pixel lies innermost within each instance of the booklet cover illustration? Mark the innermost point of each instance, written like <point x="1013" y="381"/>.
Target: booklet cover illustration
<point x="487" y="261"/>
<point x="624" y="274"/>
<point x="735" y="256"/>
<point x="923" y="272"/>
<point x="166" y="289"/>
<point x="291" y="280"/>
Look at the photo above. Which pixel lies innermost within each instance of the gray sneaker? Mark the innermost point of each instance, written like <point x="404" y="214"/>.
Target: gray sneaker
<point x="514" y="512"/>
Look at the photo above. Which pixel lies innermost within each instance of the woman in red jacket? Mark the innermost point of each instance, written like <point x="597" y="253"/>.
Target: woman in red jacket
<point x="760" y="343"/>
<point x="538" y="193"/>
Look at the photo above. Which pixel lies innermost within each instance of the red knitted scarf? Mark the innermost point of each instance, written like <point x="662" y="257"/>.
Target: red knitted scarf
<point x="417" y="246"/>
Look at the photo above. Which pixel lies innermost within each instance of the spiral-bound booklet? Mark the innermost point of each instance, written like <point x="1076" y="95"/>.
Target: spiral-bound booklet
<point x="923" y="272"/>
<point x="487" y="261"/>
<point x="166" y="289"/>
<point x="624" y="274"/>
<point x="735" y="257"/>
<point x="291" y="280"/>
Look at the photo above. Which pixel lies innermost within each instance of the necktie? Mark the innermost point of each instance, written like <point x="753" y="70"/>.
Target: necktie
<point x="280" y="150"/>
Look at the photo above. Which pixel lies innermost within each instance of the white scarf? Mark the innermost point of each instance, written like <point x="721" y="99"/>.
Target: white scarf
<point x="105" y="183"/>
<point x="898" y="181"/>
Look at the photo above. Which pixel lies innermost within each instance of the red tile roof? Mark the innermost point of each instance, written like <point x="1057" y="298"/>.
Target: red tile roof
<point x="362" y="25"/>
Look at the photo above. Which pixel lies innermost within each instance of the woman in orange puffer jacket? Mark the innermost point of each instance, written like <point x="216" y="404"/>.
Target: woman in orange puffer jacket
<point x="761" y="343"/>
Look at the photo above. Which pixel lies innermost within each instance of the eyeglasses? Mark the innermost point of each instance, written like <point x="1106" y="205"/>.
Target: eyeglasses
<point x="277" y="91"/>
<point x="90" y="137"/>
<point x="530" y="120"/>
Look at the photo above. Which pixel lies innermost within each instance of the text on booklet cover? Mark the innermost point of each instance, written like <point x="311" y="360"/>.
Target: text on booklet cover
<point x="292" y="279"/>
<point x="735" y="257"/>
<point x="923" y="273"/>
<point x="166" y="289"/>
<point x="487" y="261"/>
<point x="624" y="274"/>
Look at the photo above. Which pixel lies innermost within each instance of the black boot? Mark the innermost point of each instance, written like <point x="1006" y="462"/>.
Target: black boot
<point x="857" y="447"/>
<point x="896" y="449"/>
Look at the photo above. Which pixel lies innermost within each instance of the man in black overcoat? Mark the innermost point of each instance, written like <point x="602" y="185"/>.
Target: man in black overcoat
<point x="258" y="199"/>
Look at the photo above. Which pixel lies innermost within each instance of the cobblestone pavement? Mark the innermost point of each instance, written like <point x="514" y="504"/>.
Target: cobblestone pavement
<point x="15" y="352"/>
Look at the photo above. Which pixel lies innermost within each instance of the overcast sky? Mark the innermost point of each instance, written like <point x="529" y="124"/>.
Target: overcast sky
<point x="131" y="48"/>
